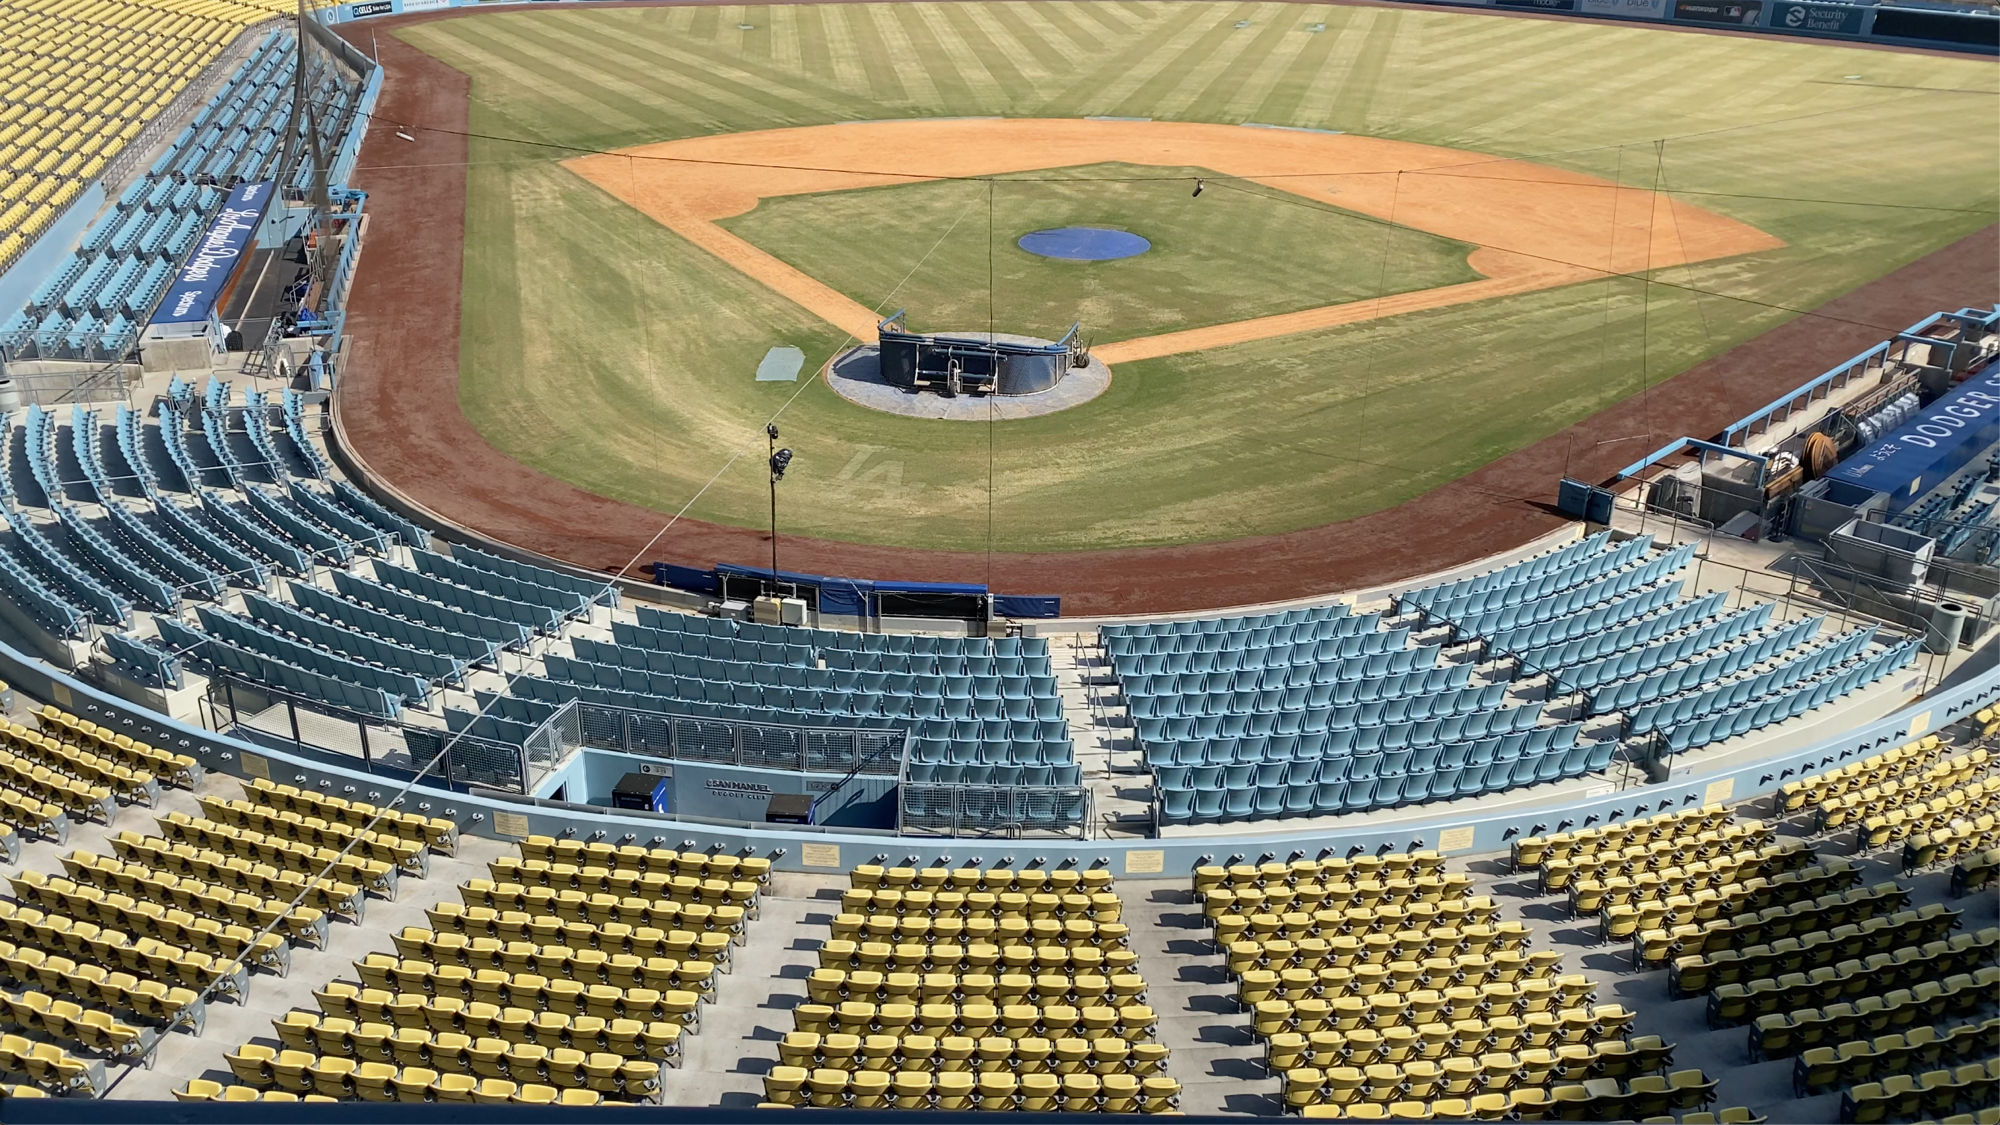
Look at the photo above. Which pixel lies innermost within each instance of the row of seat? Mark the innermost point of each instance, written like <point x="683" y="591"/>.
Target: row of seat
<point x="592" y="879"/>
<point x="1596" y="1099"/>
<point x="1338" y="894"/>
<point x="1593" y="896"/>
<point x="611" y="937"/>
<point x="633" y="857"/>
<point x="957" y="1092"/>
<point x="1096" y="906"/>
<point x="304" y="924"/>
<point x="80" y="799"/>
<point x="525" y="1057"/>
<point x="1837" y="810"/>
<point x="978" y="1019"/>
<point x="1809" y="792"/>
<point x="1585" y="1042"/>
<point x="1347" y="948"/>
<point x="437" y="833"/>
<point x="1653" y="948"/>
<point x="141" y="955"/>
<point x="603" y="907"/>
<point x="1517" y="574"/>
<point x="1778" y="1034"/>
<point x="152" y="880"/>
<point x="408" y="855"/>
<point x="183" y="837"/>
<point x="620" y="970"/>
<point x="532" y="991"/>
<point x="1094" y="952"/>
<point x="67" y="1022"/>
<point x="1315" y="956"/>
<point x="1530" y="852"/>
<point x="302" y="1072"/>
<point x="1947" y="842"/>
<point x="78" y="905"/>
<point x="408" y="1085"/>
<point x="153" y="1002"/>
<point x="1938" y="1092"/>
<point x="1555" y="875"/>
<point x="1695" y="973"/>
<point x="1103" y="1056"/>
<point x="1874" y="975"/>
<point x="1974" y="872"/>
<point x="1818" y="1069"/>
<point x="130" y="785"/>
<point x="49" y="1067"/>
<point x="1927" y="812"/>
<point x="373" y="1023"/>
<point x="1326" y="869"/>
<point x="1045" y="986"/>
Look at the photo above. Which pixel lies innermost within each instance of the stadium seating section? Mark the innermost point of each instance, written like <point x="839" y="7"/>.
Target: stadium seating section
<point x="93" y="305"/>
<point x="1538" y="671"/>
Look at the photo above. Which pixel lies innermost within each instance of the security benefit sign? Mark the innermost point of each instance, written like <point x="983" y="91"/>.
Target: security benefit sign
<point x="190" y="302"/>
<point x="1745" y="12"/>
<point x="1830" y="19"/>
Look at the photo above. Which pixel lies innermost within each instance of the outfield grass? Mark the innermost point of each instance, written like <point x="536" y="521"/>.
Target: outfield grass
<point x="603" y="349"/>
<point x="1243" y="254"/>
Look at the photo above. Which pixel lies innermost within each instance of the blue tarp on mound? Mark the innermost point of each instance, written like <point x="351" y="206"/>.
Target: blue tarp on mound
<point x="1084" y="244"/>
<point x="1930" y="447"/>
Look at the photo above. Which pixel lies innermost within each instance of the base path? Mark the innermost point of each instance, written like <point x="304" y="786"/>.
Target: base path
<point x="1537" y="227"/>
<point x="397" y="406"/>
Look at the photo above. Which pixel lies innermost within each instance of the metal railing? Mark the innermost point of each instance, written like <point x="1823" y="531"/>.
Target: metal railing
<point x="995" y="810"/>
<point x="729" y="742"/>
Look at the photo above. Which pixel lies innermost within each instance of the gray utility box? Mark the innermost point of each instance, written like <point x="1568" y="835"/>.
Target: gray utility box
<point x="1881" y="551"/>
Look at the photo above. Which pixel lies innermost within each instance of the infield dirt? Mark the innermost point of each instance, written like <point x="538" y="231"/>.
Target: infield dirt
<point x="1537" y="227"/>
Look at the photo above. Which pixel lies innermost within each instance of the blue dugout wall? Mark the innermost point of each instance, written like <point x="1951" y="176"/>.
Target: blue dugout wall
<point x="1905" y="27"/>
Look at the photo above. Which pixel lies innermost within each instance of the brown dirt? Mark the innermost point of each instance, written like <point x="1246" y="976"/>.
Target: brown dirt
<point x="1538" y="227"/>
<point x="398" y="406"/>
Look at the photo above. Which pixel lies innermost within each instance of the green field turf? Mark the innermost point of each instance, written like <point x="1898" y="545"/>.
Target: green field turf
<point x="603" y="349"/>
<point x="1243" y="254"/>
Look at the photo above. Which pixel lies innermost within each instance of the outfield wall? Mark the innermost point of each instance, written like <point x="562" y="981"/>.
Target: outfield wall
<point x="1902" y="27"/>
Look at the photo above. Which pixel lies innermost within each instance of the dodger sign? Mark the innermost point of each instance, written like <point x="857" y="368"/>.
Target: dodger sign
<point x="199" y="283"/>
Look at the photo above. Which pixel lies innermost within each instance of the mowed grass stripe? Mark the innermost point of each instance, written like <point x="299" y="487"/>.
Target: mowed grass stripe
<point x="1139" y="90"/>
<point x="1282" y="93"/>
<point x="1312" y="99"/>
<point x="1097" y="89"/>
<point x="665" y="81"/>
<point x="1052" y="32"/>
<point x="891" y="49"/>
<point x="831" y="27"/>
<point x="961" y="71"/>
<point x="1239" y="93"/>
<point x="590" y="106"/>
<point x="1208" y="83"/>
<point x="1021" y="63"/>
<point x="853" y="35"/>
<point x="1245" y="97"/>
<point x="1353" y="105"/>
<point x="751" y="92"/>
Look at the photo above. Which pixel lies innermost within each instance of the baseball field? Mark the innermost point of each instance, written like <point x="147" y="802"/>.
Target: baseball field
<point x="1452" y="236"/>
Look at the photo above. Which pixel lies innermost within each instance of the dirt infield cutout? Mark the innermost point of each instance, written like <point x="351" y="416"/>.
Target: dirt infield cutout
<point x="1537" y="227"/>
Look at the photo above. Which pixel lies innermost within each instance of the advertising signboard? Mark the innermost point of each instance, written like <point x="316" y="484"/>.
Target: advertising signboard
<point x="190" y="301"/>
<point x="1832" y="19"/>
<point x="1630" y="9"/>
<point x="1745" y="12"/>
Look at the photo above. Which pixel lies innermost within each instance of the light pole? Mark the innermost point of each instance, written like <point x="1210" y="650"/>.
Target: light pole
<point x="779" y="459"/>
